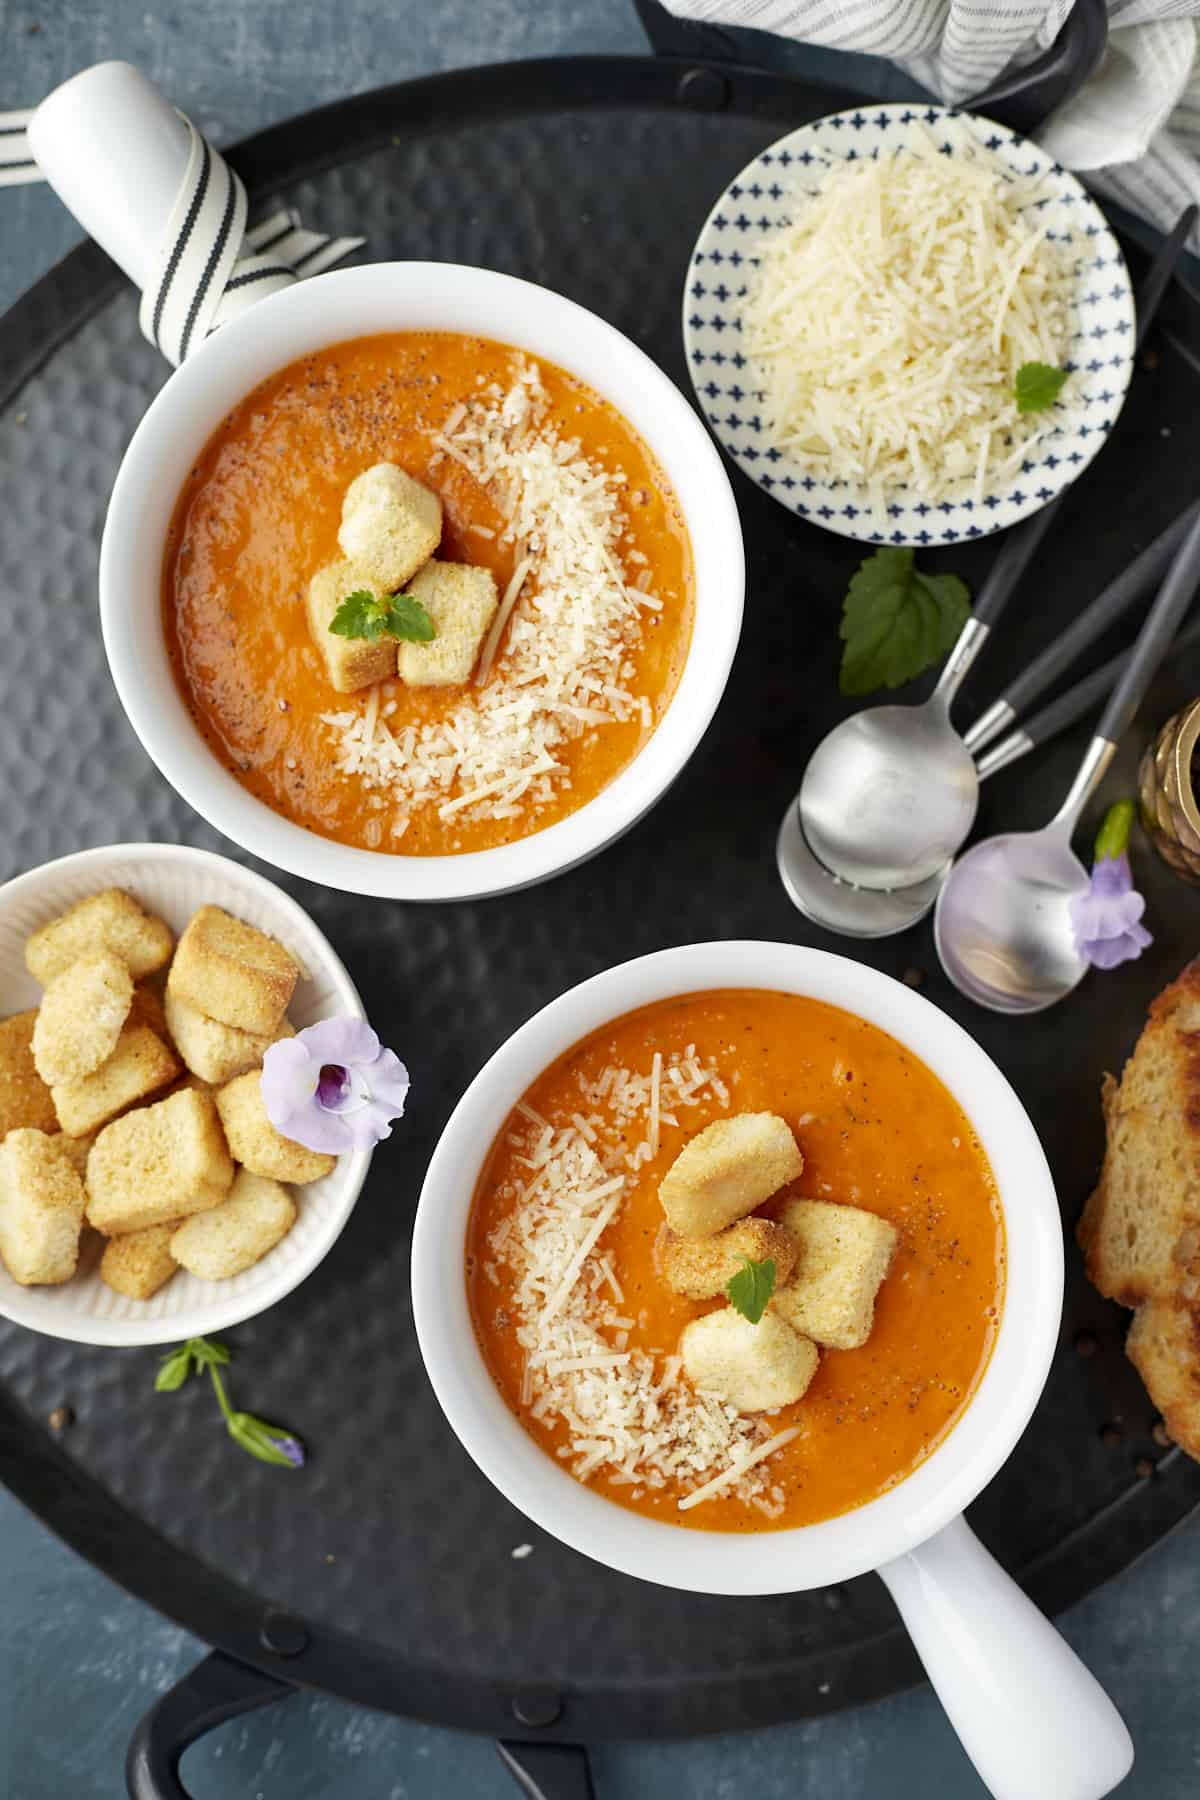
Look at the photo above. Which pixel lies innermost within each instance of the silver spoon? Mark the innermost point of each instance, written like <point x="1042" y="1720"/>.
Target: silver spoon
<point x="891" y="793"/>
<point x="1002" y="925"/>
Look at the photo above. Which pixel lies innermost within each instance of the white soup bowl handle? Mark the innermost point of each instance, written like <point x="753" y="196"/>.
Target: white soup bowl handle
<point x="1036" y="1724"/>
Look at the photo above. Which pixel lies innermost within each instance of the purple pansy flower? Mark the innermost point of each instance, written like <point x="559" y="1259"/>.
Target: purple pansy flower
<point x="1106" y="917"/>
<point x="333" y="1086"/>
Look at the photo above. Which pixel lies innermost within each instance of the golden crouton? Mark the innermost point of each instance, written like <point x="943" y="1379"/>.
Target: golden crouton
<point x="255" y="1143"/>
<point x="350" y="663"/>
<point x="726" y="1171"/>
<point x="77" y="1150"/>
<point x="158" y="1163"/>
<point x="25" y="1100"/>
<point x="41" y="1209"/>
<point x="140" y="1064"/>
<point x="232" y="973"/>
<point x="845" y="1253"/>
<point x="147" y="1009"/>
<point x="390" y="524"/>
<point x="216" y="1052"/>
<point x="112" y="921"/>
<point x="139" y="1263"/>
<point x="255" y="1217"/>
<point x="700" y="1268"/>
<point x="81" y="1017"/>
<point x="754" y="1367"/>
<point x="462" y="603"/>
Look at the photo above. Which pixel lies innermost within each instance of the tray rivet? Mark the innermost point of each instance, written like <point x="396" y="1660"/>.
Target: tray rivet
<point x="704" y="89"/>
<point x="536" y="1706"/>
<point x="283" y="1635"/>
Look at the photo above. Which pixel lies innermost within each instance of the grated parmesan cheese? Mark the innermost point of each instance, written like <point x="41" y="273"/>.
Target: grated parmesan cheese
<point x="568" y="619"/>
<point x="887" y="322"/>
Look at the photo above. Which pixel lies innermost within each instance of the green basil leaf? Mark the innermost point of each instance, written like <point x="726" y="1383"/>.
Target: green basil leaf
<point x="1037" y="386"/>
<point x="749" y="1290"/>
<point x="897" y="621"/>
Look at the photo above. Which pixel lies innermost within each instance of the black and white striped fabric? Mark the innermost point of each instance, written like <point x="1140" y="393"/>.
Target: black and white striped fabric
<point x="16" y="158"/>
<point x="1133" y="132"/>
<point x="210" y="268"/>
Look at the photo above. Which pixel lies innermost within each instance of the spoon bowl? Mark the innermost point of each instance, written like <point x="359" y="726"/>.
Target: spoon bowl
<point x="1003" y="924"/>
<point x="838" y="905"/>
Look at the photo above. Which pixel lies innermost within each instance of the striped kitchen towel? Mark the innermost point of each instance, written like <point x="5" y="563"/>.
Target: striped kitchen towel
<point x="1133" y="130"/>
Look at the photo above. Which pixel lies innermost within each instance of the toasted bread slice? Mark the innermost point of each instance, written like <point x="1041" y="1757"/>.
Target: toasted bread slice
<point x="41" y="1209"/>
<point x="391" y="525"/>
<point x="845" y="1252"/>
<point x="461" y="601"/>
<point x="216" y="1052"/>
<point x="1140" y="1231"/>
<point x="350" y="663"/>
<point x="25" y="1099"/>
<point x="254" y="1141"/>
<point x="701" y="1267"/>
<point x="159" y="1163"/>
<point x="1164" y="1347"/>
<point x="256" y="1215"/>
<point x="754" y="1367"/>
<point x="139" y="1263"/>
<point x="726" y="1171"/>
<point x="111" y="920"/>
<point x="82" y="1014"/>
<point x="233" y="973"/>
<point x="137" y="1068"/>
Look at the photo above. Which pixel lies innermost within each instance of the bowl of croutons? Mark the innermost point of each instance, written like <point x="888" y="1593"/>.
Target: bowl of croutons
<point x="145" y="1195"/>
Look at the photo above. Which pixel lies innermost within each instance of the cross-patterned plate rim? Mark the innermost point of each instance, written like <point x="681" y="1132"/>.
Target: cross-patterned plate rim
<point x="722" y="378"/>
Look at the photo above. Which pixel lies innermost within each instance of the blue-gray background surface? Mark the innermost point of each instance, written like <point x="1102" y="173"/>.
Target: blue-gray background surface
<point x="79" y="1661"/>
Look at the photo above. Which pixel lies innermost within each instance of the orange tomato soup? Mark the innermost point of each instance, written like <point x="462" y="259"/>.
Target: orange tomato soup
<point x="877" y="1130"/>
<point x="259" y="516"/>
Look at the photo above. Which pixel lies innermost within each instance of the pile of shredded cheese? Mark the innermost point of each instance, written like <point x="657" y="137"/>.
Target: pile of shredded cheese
<point x="888" y="321"/>
<point x="629" y="1413"/>
<point x="572" y="621"/>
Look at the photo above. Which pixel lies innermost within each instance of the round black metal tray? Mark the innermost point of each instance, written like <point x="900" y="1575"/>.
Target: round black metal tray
<point x="384" y="1572"/>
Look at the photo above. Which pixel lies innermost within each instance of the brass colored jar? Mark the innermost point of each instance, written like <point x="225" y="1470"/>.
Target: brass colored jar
<point x="1167" y="795"/>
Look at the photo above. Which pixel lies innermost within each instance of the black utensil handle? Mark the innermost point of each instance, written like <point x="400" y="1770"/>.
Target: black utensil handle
<point x="548" y="1771"/>
<point x="1154" y="639"/>
<point x="1095" y="619"/>
<point x="1158" y="277"/>
<point x="1089" y="692"/>
<point x="217" y="1689"/>
<point x="1015" y="554"/>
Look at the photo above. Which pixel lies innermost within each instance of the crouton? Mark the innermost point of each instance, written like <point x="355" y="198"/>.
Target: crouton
<point x="754" y="1367"/>
<point x="81" y="1017"/>
<point x="256" y="1215"/>
<point x="255" y="1143"/>
<point x="112" y="921"/>
<point x="139" y="1263"/>
<point x="391" y="525"/>
<point x="25" y="1099"/>
<point x="844" y="1255"/>
<point x="232" y="973"/>
<point x="77" y="1150"/>
<point x="161" y="1162"/>
<point x="726" y="1171"/>
<point x="147" y="1009"/>
<point x="350" y="663"/>
<point x="700" y="1268"/>
<point x="140" y="1064"/>
<point x="462" y="603"/>
<point x="41" y="1209"/>
<point x="216" y="1052"/>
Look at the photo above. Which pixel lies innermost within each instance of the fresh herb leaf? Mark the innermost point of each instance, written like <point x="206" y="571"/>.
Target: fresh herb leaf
<point x="749" y="1290"/>
<point x="1037" y="386"/>
<point x="174" y="1370"/>
<point x="366" y="615"/>
<point x="897" y="621"/>
<point x="269" y="1443"/>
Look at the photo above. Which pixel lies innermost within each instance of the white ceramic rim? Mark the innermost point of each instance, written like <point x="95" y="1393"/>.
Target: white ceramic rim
<point x="973" y="523"/>
<point x="217" y="1315"/>
<point x="770" y="1561"/>
<point x="358" y="303"/>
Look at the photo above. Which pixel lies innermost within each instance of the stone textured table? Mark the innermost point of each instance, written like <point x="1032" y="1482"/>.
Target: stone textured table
<point x="79" y="1660"/>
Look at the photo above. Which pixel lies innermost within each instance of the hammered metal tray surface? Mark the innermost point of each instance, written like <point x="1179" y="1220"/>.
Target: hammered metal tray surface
<point x="593" y="178"/>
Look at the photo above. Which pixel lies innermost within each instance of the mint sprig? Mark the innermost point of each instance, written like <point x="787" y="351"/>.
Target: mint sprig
<point x="749" y="1290"/>
<point x="269" y="1443"/>
<point x="897" y="621"/>
<point x="1037" y="386"/>
<point x="372" y="616"/>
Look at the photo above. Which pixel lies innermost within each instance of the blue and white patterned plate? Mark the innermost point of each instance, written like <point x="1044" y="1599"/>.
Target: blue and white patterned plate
<point x="765" y="196"/>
